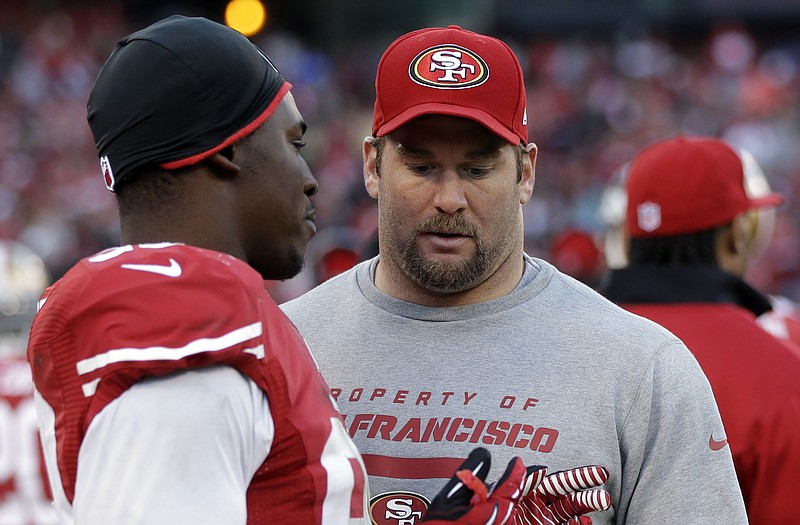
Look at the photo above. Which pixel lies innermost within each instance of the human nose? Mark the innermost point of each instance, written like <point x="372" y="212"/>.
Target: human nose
<point x="450" y="197"/>
<point x="310" y="185"/>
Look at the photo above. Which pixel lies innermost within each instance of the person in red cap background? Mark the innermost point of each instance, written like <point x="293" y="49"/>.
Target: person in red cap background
<point x="783" y="318"/>
<point x="453" y="336"/>
<point x="690" y="228"/>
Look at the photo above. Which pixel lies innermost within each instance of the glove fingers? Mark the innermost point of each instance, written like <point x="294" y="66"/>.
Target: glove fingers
<point x="569" y="481"/>
<point x="477" y="463"/>
<point x="507" y="491"/>
<point x="453" y="501"/>
<point x="577" y="503"/>
<point x="509" y="486"/>
<point x="532" y="511"/>
<point x="533" y="478"/>
<point x="505" y="514"/>
<point x="580" y="520"/>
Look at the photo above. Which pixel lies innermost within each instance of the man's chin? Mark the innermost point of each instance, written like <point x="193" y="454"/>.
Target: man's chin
<point x="282" y="272"/>
<point x="443" y="277"/>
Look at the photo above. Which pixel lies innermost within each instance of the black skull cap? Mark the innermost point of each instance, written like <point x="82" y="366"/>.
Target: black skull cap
<point x="177" y="92"/>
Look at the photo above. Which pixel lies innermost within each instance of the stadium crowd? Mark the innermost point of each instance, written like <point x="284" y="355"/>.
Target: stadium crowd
<point x="592" y="103"/>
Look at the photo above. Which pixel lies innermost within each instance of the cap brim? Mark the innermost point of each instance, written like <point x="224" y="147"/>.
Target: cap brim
<point x="437" y="108"/>
<point x="770" y="200"/>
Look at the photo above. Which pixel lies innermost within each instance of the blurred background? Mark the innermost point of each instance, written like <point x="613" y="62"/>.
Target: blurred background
<point x="604" y="78"/>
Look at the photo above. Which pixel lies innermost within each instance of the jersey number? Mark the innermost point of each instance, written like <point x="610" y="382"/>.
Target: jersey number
<point x="347" y="481"/>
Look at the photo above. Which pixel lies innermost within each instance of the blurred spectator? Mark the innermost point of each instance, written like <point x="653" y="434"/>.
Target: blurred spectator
<point x="593" y="102"/>
<point x="576" y="253"/>
<point x="690" y="227"/>
<point x="783" y="319"/>
<point x="24" y="492"/>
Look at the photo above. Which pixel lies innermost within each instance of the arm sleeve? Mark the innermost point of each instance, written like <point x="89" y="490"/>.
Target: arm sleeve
<point x="670" y="472"/>
<point x="175" y="450"/>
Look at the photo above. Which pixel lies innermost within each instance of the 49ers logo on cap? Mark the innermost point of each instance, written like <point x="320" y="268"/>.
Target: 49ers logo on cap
<point x="448" y="66"/>
<point x="397" y="508"/>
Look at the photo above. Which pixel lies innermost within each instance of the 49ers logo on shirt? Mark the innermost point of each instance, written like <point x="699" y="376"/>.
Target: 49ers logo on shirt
<point x="397" y="508"/>
<point x="448" y="66"/>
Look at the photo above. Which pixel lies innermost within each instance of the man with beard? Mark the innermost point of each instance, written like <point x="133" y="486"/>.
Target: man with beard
<point x="169" y="386"/>
<point x="454" y="337"/>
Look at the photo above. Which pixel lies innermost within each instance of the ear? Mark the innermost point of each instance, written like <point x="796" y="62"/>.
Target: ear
<point x="222" y="163"/>
<point x="528" y="174"/>
<point x="371" y="177"/>
<point x="741" y="234"/>
<point x="733" y="245"/>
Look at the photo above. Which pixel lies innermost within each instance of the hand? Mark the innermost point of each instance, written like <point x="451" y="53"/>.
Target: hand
<point x="562" y="497"/>
<point x="467" y="500"/>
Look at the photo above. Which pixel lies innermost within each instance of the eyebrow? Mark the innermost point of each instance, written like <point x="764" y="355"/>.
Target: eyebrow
<point x="410" y="151"/>
<point x="490" y="152"/>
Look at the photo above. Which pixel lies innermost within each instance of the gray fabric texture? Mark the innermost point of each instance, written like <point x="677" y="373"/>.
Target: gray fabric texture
<point x="552" y="372"/>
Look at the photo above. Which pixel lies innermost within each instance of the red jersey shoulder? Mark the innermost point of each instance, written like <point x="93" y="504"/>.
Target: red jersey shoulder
<point x="160" y="264"/>
<point x="159" y="294"/>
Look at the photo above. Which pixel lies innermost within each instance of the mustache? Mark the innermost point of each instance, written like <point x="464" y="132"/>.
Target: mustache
<point x="448" y="224"/>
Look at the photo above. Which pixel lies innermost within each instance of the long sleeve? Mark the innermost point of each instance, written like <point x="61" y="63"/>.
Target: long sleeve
<point x="661" y="460"/>
<point x="175" y="450"/>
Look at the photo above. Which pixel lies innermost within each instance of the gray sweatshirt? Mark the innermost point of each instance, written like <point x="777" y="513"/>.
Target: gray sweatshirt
<point x="552" y="372"/>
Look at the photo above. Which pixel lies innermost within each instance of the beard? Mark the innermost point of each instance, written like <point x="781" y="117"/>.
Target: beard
<point x="444" y="277"/>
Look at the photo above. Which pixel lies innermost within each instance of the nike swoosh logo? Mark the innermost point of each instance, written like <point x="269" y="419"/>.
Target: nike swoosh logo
<point x="716" y="445"/>
<point x="173" y="270"/>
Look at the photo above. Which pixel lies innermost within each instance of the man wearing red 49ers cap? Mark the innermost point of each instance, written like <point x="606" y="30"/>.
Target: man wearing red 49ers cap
<point x="170" y="388"/>
<point x="453" y="337"/>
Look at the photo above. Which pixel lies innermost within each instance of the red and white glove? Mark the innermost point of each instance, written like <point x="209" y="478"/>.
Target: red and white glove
<point x="562" y="497"/>
<point x="467" y="500"/>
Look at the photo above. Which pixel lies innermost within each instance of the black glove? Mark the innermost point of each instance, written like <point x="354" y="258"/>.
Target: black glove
<point x="467" y="500"/>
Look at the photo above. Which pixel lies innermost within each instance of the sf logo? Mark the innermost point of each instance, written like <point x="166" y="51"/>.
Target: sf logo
<point x="401" y="510"/>
<point x="448" y="67"/>
<point x="397" y="508"/>
<point x="450" y="62"/>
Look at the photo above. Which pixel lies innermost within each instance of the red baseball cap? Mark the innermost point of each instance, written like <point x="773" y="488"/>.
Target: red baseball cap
<point x="688" y="184"/>
<point x="451" y="71"/>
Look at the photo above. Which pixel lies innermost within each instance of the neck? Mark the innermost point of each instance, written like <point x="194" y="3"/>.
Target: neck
<point x="199" y="215"/>
<point x="202" y="231"/>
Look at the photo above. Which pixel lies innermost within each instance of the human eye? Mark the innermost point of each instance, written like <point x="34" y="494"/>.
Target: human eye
<point x="477" y="172"/>
<point x="299" y="144"/>
<point x="420" y="169"/>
